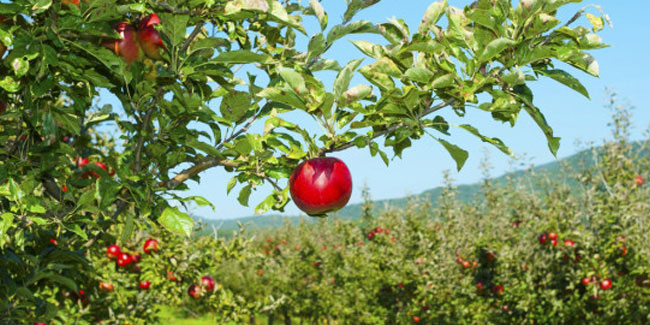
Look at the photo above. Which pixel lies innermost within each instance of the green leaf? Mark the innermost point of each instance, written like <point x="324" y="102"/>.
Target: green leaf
<point x="266" y="205"/>
<point x="202" y="146"/>
<point x="432" y="15"/>
<point x="294" y="80"/>
<point x="566" y="79"/>
<point x="320" y="13"/>
<point x="457" y="153"/>
<point x="354" y="6"/>
<point x="175" y="27"/>
<point x="356" y="27"/>
<point x="494" y="141"/>
<point x="6" y="221"/>
<point x="201" y="201"/>
<point x="419" y="74"/>
<point x="370" y="49"/>
<point x="234" y="106"/>
<point x="127" y="231"/>
<point x="357" y="93"/>
<point x="244" y="194"/>
<point x="342" y="81"/>
<point x="284" y="96"/>
<point x="75" y="228"/>
<point x="242" y="56"/>
<point x="176" y="221"/>
<point x="524" y="94"/>
<point x="495" y="47"/>
<point x="316" y="46"/>
<point x="231" y="184"/>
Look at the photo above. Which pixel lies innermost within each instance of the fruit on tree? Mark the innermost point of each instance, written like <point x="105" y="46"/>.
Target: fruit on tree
<point x="150" y="244"/>
<point x="605" y="284"/>
<point x="104" y="286"/>
<point x="74" y="2"/>
<point x="144" y="285"/>
<point x="465" y="264"/>
<point x="113" y="251"/>
<point x="586" y="281"/>
<point x="208" y="283"/>
<point x="542" y="239"/>
<point x="552" y="236"/>
<point x="639" y="180"/>
<point x="124" y="259"/>
<point x="127" y="46"/>
<point x="416" y="319"/>
<point x="136" y="258"/>
<point x="194" y="291"/>
<point x="321" y="185"/>
<point x="498" y="289"/>
<point x="172" y="277"/>
<point x="149" y="38"/>
<point x="569" y="243"/>
<point x="553" y="242"/>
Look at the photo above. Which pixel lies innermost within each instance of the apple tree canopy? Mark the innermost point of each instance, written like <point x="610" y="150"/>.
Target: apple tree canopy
<point x="194" y="108"/>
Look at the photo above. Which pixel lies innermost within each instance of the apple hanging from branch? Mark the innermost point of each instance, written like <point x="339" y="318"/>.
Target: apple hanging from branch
<point x="321" y="185"/>
<point x="149" y="38"/>
<point x="126" y="47"/>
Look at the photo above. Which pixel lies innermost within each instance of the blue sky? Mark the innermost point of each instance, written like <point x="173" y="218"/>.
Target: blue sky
<point x="623" y="68"/>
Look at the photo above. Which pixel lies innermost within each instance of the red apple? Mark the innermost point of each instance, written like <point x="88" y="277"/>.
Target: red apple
<point x="552" y="235"/>
<point x="553" y="242"/>
<point x="106" y="286"/>
<point x="150" y="245"/>
<point x="466" y="264"/>
<point x="74" y="2"/>
<point x="149" y="38"/>
<point x="586" y="281"/>
<point x="126" y="47"/>
<point x="136" y="258"/>
<point x="113" y="251"/>
<point x="38" y="323"/>
<point x="606" y="284"/>
<point x="124" y="259"/>
<point x="194" y="291"/>
<point x="54" y="242"/>
<point x="542" y="239"/>
<point x="172" y="277"/>
<point x="639" y="180"/>
<point x="144" y="285"/>
<point x="321" y="185"/>
<point x="208" y="283"/>
<point x="569" y="243"/>
<point x="416" y="319"/>
<point x="498" y="289"/>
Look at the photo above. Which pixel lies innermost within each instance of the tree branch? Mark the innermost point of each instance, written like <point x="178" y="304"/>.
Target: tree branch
<point x="393" y="128"/>
<point x="196" y="31"/>
<point x="200" y="166"/>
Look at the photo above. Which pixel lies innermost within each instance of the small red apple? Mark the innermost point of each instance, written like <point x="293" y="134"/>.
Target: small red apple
<point x="606" y="284"/>
<point x="149" y="38"/>
<point x="104" y="286"/>
<point x="54" y="242"/>
<point x="113" y="251"/>
<point x="172" y="277"/>
<point x="498" y="289"/>
<point x="38" y="323"/>
<point x="479" y="286"/>
<point x="552" y="235"/>
<point x="124" y="259"/>
<point x="639" y="180"/>
<point x="569" y="243"/>
<point x="126" y="47"/>
<point x="144" y="285"/>
<point x="150" y="245"/>
<point x="542" y="239"/>
<point x="416" y="319"/>
<point x="586" y="281"/>
<point x="136" y="258"/>
<point x="208" y="283"/>
<point x="259" y="272"/>
<point x="623" y="250"/>
<point x="465" y="264"/>
<point x="321" y="185"/>
<point x="194" y="291"/>
<point x="74" y="2"/>
<point x="553" y="242"/>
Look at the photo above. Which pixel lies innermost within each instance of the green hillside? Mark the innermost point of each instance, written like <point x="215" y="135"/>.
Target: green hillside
<point x="465" y="193"/>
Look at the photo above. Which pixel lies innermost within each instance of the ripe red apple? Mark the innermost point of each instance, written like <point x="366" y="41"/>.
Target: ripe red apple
<point x="259" y="272"/>
<point x="208" y="283"/>
<point x="466" y="264"/>
<point x="321" y="185"/>
<point x="150" y="245"/>
<point x="542" y="239"/>
<point x="606" y="284"/>
<point x="479" y="286"/>
<point x="639" y="180"/>
<point x="552" y="235"/>
<point x="126" y="47"/>
<point x="416" y="319"/>
<point x="498" y="289"/>
<point x="553" y="242"/>
<point x="106" y="286"/>
<point x="149" y="38"/>
<point x="586" y="281"/>
<point x="113" y="251"/>
<point x="623" y="250"/>
<point x="124" y="259"/>
<point x="194" y="291"/>
<point x="144" y="285"/>
<point x="569" y="243"/>
<point x="136" y="258"/>
<point x="172" y="277"/>
<point x="74" y="2"/>
<point x="38" y="323"/>
<point x="54" y="242"/>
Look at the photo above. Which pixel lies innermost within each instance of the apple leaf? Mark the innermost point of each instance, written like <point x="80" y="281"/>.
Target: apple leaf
<point x="494" y="141"/>
<point x="457" y="153"/>
<point x="266" y="205"/>
<point x="244" y="194"/>
<point x="432" y="15"/>
<point x="174" y="26"/>
<point x="495" y="47"/>
<point x="294" y="80"/>
<point x="320" y="13"/>
<point x="176" y="221"/>
<point x="316" y="46"/>
<point x="356" y="27"/>
<point x="566" y="79"/>
<point x="242" y="56"/>
<point x="524" y="94"/>
<point x="343" y="78"/>
<point x="354" y="6"/>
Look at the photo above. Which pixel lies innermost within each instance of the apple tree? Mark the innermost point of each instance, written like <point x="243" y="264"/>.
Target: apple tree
<point x="193" y="79"/>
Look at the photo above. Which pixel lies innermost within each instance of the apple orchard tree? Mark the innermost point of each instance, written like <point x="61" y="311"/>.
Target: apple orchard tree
<point x="184" y="109"/>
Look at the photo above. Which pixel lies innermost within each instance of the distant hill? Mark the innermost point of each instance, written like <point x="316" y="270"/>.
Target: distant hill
<point x="464" y="193"/>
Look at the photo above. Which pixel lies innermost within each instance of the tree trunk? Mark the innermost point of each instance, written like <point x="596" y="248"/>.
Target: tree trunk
<point x="252" y="319"/>
<point x="287" y="319"/>
<point x="271" y="316"/>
